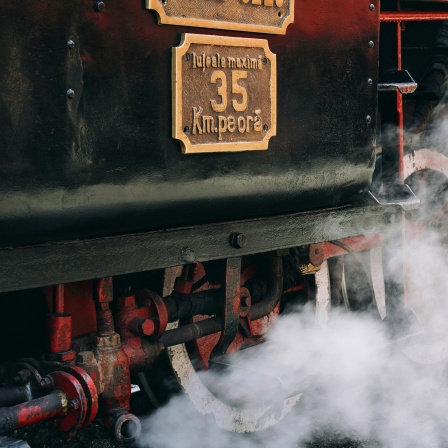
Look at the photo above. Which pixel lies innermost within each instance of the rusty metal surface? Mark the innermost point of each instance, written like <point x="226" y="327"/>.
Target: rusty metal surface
<point x="230" y="306"/>
<point x="224" y="94"/>
<point x="262" y="16"/>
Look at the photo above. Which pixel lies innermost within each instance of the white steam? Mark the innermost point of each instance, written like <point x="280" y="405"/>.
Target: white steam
<point x="356" y="378"/>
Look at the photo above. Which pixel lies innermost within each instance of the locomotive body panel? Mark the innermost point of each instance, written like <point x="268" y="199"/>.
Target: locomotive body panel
<point x="104" y="162"/>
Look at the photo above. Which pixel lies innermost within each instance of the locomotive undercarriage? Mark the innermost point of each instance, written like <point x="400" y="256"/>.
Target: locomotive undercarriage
<point x="102" y="335"/>
<point x="202" y="293"/>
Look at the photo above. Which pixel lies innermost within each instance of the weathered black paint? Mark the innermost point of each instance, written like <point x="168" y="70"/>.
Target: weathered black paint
<point x="104" y="162"/>
<point x="40" y="265"/>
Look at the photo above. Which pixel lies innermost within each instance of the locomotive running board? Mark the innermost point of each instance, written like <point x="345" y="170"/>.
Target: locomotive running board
<point x="70" y="261"/>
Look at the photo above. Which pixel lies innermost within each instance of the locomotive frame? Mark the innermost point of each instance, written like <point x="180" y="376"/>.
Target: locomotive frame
<point x="73" y="380"/>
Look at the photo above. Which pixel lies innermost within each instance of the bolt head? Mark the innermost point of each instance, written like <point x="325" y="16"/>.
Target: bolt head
<point x="238" y="240"/>
<point x="372" y="7"/>
<point x="371" y="43"/>
<point x="70" y="93"/>
<point x="73" y="405"/>
<point x="370" y="81"/>
<point x="100" y="6"/>
<point x="368" y="119"/>
<point x="47" y="382"/>
<point x="84" y="357"/>
<point x="70" y="44"/>
<point x="147" y="327"/>
<point x="188" y="255"/>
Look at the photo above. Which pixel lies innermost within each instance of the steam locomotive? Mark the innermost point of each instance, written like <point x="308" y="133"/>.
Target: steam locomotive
<point x="176" y="173"/>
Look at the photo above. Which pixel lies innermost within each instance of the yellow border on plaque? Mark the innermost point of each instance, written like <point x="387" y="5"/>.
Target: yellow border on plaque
<point x="176" y="79"/>
<point x="156" y="6"/>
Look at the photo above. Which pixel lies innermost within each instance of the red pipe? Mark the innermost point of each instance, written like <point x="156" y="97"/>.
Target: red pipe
<point x="412" y="16"/>
<point x="34" y="411"/>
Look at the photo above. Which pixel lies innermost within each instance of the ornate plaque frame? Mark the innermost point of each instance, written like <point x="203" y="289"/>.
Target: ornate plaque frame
<point x="258" y="16"/>
<point x="224" y="94"/>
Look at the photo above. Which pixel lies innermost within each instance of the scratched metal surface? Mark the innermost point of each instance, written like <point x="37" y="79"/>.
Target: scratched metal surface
<point x="104" y="162"/>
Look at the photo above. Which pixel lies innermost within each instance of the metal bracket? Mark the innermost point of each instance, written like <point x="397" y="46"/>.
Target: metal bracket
<point x="399" y="80"/>
<point x="394" y="194"/>
<point x="231" y="306"/>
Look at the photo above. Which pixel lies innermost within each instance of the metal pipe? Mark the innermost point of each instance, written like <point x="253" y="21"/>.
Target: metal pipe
<point x="274" y="290"/>
<point x="9" y="396"/>
<point x="190" y="332"/>
<point x="412" y="16"/>
<point x="206" y="327"/>
<point x="127" y="428"/>
<point x="181" y="306"/>
<point x="34" y="411"/>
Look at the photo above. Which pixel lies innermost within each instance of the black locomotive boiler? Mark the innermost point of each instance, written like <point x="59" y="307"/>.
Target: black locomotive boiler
<point x="172" y="174"/>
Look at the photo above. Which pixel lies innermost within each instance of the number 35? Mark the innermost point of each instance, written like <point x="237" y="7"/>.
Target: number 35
<point x="236" y="89"/>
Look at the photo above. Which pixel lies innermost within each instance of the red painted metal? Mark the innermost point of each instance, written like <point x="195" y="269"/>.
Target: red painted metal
<point x="77" y="403"/>
<point x="40" y="409"/>
<point x="79" y="303"/>
<point x="320" y="252"/>
<point x="156" y="311"/>
<point x="74" y="402"/>
<point x="90" y="391"/>
<point x="60" y="332"/>
<point x="58" y="299"/>
<point x="59" y="328"/>
<point x="113" y="362"/>
<point x="412" y="16"/>
<point x="104" y="317"/>
<point x="132" y="320"/>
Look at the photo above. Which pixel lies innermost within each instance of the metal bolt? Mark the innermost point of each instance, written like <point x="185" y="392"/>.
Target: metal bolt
<point x="370" y="81"/>
<point x="73" y="405"/>
<point x="245" y="301"/>
<point x="84" y="357"/>
<point x="146" y="327"/>
<point x="238" y="240"/>
<point x="70" y="44"/>
<point x="70" y="93"/>
<point x="47" y="382"/>
<point x="371" y="44"/>
<point x="100" y="6"/>
<point x="188" y="255"/>
<point x="368" y="119"/>
<point x="372" y="7"/>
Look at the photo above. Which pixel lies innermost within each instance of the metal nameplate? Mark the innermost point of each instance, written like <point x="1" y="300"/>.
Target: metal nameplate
<point x="259" y="16"/>
<point x="224" y="94"/>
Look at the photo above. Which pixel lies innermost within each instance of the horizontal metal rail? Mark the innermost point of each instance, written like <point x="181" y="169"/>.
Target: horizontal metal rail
<point x="70" y="261"/>
<point x="412" y="16"/>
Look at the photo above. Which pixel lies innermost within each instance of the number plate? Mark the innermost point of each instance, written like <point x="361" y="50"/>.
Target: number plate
<point x="224" y="94"/>
<point x="260" y="16"/>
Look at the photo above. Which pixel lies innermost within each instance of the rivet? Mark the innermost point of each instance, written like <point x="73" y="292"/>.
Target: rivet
<point x="70" y="44"/>
<point x="100" y="6"/>
<point x="372" y="7"/>
<point x="370" y="81"/>
<point x="70" y="93"/>
<point x="371" y="44"/>
<point x="368" y="119"/>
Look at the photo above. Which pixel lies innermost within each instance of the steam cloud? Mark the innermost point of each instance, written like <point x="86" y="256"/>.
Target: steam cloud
<point x="357" y="379"/>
